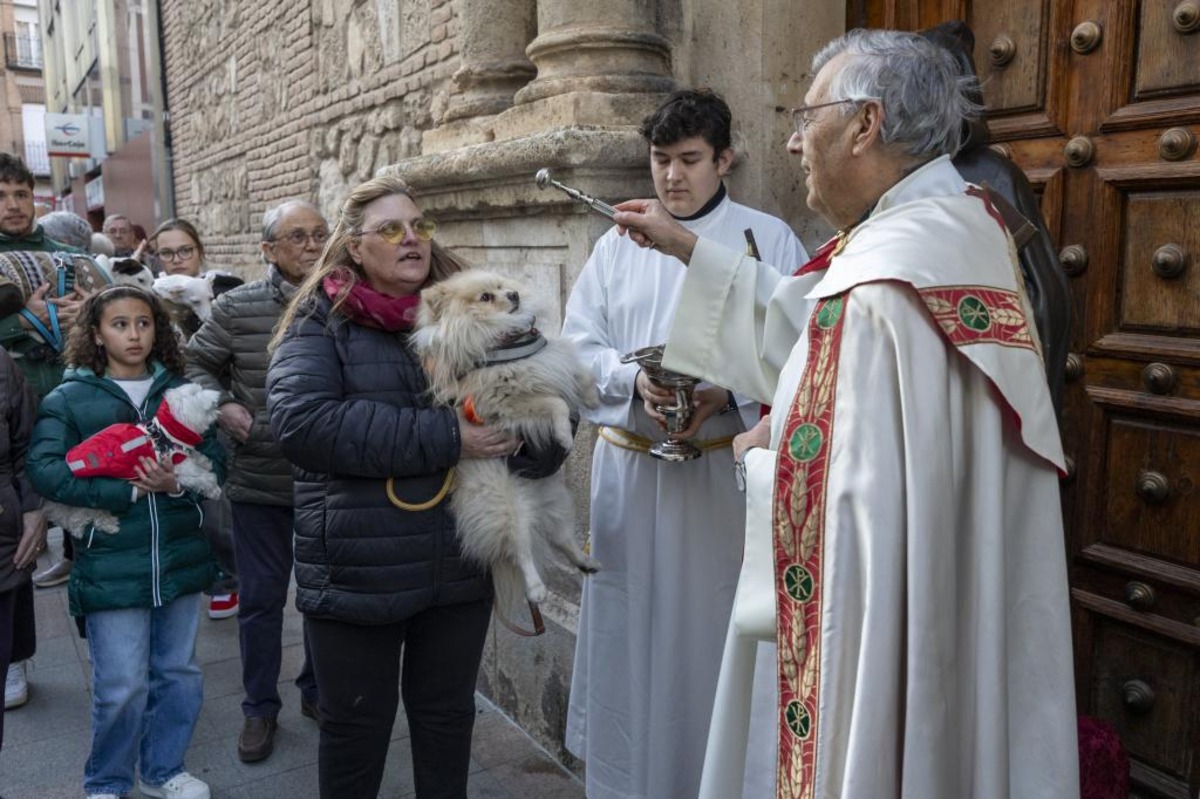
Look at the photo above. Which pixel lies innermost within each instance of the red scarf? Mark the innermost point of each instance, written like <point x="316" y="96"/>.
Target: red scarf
<point x="366" y="306"/>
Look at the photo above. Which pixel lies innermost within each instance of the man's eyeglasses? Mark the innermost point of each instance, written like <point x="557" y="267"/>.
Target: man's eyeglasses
<point x="802" y="119"/>
<point x="181" y="254"/>
<point x="393" y="232"/>
<point x="299" y="238"/>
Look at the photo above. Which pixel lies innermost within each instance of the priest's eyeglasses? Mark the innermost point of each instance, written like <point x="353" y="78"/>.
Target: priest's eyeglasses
<point x="393" y="232"/>
<point x="802" y="119"/>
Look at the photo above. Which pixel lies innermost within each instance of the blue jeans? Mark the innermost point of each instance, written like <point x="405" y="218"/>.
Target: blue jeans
<point x="262" y="541"/>
<point x="146" y="693"/>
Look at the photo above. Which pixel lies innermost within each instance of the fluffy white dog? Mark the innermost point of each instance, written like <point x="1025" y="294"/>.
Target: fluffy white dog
<point x="188" y="300"/>
<point x="186" y="293"/>
<point x="479" y="346"/>
<point x="173" y="434"/>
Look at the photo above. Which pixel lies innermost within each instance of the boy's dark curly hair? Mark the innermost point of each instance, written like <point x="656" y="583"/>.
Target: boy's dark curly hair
<point x="13" y="170"/>
<point x="687" y="113"/>
<point x="82" y="349"/>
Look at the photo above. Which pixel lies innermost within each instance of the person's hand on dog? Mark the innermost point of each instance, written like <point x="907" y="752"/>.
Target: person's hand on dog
<point x="33" y="539"/>
<point x="36" y="305"/>
<point x="154" y="477"/>
<point x="481" y="441"/>
<point x="69" y="306"/>
<point x="705" y="402"/>
<point x="653" y="395"/>
<point x="235" y="419"/>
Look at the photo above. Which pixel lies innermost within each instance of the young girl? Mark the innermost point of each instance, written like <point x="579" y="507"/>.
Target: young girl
<point x="139" y="588"/>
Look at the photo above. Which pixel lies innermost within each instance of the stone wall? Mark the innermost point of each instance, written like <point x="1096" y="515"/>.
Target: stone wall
<point x="295" y="98"/>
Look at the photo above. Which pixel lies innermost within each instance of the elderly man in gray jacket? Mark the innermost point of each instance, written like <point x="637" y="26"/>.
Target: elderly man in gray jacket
<point x="229" y="353"/>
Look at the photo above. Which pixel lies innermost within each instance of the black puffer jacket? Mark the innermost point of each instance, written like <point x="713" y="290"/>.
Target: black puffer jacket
<point x="229" y="354"/>
<point x="17" y="496"/>
<point x="348" y="405"/>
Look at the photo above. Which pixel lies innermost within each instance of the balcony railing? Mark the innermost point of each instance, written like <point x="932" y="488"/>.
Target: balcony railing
<point x="22" y="52"/>
<point x="36" y="158"/>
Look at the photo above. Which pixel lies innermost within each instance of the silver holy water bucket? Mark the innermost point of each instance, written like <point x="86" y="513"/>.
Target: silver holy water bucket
<point x="679" y="413"/>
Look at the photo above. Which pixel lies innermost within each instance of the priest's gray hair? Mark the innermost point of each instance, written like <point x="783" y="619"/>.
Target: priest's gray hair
<point x="924" y="94"/>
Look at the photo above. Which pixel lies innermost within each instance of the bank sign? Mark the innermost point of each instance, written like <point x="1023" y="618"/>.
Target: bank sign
<point x="67" y="135"/>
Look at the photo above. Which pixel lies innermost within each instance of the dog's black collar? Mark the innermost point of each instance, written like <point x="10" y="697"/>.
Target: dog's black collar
<point x="522" y="346"/>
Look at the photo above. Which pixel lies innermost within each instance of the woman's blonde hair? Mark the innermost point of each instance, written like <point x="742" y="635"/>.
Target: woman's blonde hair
<point x="442" y="262"/>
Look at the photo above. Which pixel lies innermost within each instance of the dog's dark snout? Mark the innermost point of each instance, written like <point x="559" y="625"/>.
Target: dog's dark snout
<point x="515" y="299"/>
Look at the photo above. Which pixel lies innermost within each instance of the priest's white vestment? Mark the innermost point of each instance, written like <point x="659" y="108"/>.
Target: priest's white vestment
<point x="919" y="567"/>
<point x="668" y="536"/>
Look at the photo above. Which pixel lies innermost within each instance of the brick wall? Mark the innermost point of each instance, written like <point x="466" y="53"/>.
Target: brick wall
<point x="295" y="98"/>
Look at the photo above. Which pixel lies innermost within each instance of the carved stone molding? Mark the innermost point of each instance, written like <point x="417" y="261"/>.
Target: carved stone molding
<point x="497" y="177"/>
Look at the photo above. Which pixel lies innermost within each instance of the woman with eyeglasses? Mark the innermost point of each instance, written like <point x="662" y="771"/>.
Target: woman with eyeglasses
<point x="178" y="248"/>
<point x="379" y="575"/>
<point x="179" y="251"/>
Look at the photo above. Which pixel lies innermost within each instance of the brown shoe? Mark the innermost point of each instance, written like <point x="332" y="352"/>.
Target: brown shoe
<point x="257" y="739"/>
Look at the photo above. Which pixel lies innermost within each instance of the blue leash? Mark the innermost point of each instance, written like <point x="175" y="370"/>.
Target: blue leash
<point x="53" y="335"/>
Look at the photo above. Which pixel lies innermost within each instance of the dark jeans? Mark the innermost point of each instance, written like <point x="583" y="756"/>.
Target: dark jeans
<point x="262" y="540"/>
<point x="18" y="633"/>
<point x="358" y="671"/>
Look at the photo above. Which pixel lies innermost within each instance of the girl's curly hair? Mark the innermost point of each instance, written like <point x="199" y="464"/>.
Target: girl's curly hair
<point x="82" y="349"/>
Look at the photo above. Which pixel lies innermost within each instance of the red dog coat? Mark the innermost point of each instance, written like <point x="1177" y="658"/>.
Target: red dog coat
<point x="118" y="448"/>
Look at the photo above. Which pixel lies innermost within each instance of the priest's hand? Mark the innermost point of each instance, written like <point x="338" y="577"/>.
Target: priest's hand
<point x="757" y="436"/>
<point x="649" y="224"/>
<point x="706" y="402"/>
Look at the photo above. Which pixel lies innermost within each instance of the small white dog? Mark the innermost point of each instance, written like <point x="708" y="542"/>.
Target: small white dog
<point x="127" y="271"/>
<point x="479" y="346"/>
<point x="186" y="293"/>
<point x="176" y="429"/>
<point x="188" y="300"/>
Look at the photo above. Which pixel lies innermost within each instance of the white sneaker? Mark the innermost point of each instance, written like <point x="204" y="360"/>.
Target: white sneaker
<point x="181" y="786"/>
<point x="103" y="796"/>
<point x="16" y="687"/>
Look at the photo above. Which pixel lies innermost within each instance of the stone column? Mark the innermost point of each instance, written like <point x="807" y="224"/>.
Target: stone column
<point x="599" y="62"/>
<point x="493" y="37"/>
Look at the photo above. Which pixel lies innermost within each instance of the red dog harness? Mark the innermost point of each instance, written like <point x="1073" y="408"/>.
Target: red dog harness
<point x="118" y="448"/>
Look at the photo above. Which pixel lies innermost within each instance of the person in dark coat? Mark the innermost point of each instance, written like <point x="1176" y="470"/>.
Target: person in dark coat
<point x="1045" y="283"/>
<point x="379" y="578"/>
<point x="39" y="361"/>
<point x="229" y="354"/>
<point x="22" y="527"/>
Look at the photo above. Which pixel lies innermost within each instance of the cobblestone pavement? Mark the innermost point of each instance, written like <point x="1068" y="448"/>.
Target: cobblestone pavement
<point x="46" y="741"/>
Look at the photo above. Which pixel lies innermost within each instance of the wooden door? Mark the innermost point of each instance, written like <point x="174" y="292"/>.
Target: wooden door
<point x="1099" y="102"/>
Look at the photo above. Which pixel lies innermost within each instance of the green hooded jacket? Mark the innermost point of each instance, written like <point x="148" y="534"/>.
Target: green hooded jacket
<point x="159" y="554"/>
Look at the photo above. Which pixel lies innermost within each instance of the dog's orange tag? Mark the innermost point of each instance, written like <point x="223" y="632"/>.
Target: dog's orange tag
<point x="469" y="411"/>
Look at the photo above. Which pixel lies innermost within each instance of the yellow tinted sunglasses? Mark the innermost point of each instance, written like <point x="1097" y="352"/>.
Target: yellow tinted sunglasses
<point x="393" y="232"/>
